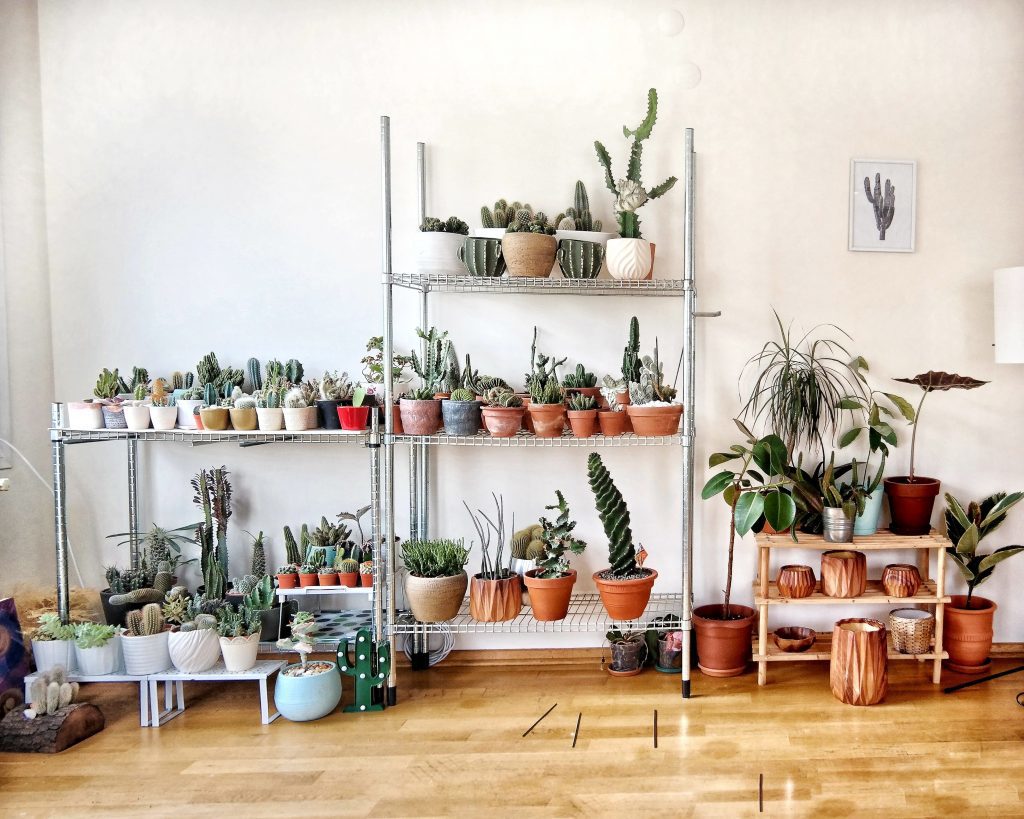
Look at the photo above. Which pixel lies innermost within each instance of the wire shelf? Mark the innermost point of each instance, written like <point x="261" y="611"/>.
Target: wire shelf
<point x="190" y="436"/>
<point x="439" y="282"/>
<point x="528" y="439"/>
<point x="586" y="614"/>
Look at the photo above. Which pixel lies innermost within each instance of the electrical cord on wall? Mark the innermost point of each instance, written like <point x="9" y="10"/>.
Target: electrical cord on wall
<point x="49" y="488"/>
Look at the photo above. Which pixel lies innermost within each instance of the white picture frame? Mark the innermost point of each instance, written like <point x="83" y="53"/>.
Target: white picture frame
<point x="899" y="227"/>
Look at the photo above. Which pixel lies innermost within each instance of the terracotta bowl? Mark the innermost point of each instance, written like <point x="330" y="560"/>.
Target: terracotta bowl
<point x="793" y="638"/>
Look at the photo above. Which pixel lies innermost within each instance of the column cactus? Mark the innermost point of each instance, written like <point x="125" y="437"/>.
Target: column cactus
<point x="254" y="371"/>
<point x="614" y="514"/>
<point x="145" y="621"/>
<point x="291" y="548"/>
<point x="369" y="670"/>
<point x="631" y="355"/>
<point x="884" y="204"/>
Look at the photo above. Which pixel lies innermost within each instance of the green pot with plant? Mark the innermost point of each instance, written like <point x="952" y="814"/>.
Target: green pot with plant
<point x="625" y="586"/>
<point x="912" y="496"/>
<point x="436" y="579"/>
<point x="550" y="584"/>
<point x="439" y="243"/>
<point x="724" y="629"/>
<point x="97" y="649"/>
<point x="631" y="257"/>
<point x="967" y="635"/>
<point x="529" y="245"/>
<point x="495" y="592"/>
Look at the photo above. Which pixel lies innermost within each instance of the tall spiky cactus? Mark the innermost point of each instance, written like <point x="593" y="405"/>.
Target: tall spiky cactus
<point x="213" y="496"/>
<point x="189" y="380"/>
<point x="884" y="204"/>
<point x="258" y="567"/>
<point x="210" y="395"/>
<point x="291" y="548"/>
<point x="631" y="355"/>
<point x="177" y="380"/>
<point x="611" y="508"/>
<point x="254" y="371"/>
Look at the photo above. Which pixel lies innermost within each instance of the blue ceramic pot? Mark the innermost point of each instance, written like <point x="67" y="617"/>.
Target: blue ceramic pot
<point x="867" y="522"/>
<point x="302" y="699"/>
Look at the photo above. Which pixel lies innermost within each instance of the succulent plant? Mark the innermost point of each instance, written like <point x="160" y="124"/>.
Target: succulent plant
<point x="108" y="384"/>
<point x="373" y="364"/>
<point x="93" y="635"/>
<point x="578" y="216"/>
<point x="650" y="386"/>
<point x="582" y="403"/>
<point x="348" y="566"/>
<point x="435" y="368"/>
<point x="261" y="597"/>
<point x="145" y="621"/>
<point x="241" y="622"/>
<point x="275" y="369"/>
<point x="579" y="378"/>
<point x="208" y="369"/>
<point x="550" y="392"/>
<point x="335" y="387"/>
<point x="139" y="393"/>
<point x="502" y="214"/>
<point x="491" y="568"/>
<point x="502" y="397"/>
<point x="288" y="568"/>
<point x="291" y="548"/>
<point x="254" y="371"/>
<point x="452" y="225"/>
<point x="51" y="628"/>
<point x="293" y="370"/>
<point x="258" y="564"/>
<point x="527" y="222"/>
<point x="210" y="394"/>
<point x="557" y="538"/>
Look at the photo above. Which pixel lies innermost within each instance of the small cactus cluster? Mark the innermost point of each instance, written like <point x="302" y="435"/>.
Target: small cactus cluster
<point x="503" y="213"/>
<point x="187" y="612"/>
<point x="155" y="594"/>
<point x="440" y="366"/>
<point x="140" y="377"/>
<point x="502" y="397"/>
<point x="527" y="544"/>
<point x="651" y="386"/>
<point x="121" y="581"/>
<point x="578" y="216"/>
<point x="453" y="224"/>
<point x="108" y="384"/>
<point x="145" y="621"/>
<point x="241" y="622"/>
<point x="262" y="595"/>
<point x="50" y="692"/>
<point x="549" y="392"/>
<point x="335" y="387"/>
<point x="527" y="222"/>
<point x="579" y="378"/>
<point x="582" y="403"/>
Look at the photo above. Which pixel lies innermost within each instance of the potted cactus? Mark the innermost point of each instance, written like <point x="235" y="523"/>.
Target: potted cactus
<point x="145" y="641"/>
<point x="243" y="411"/>
<point x="495" y="222"/>
<point x="581" y="243"/>
<point x="239" y="631"/>
<point x="214" y="414"/>
<point x="327" y="575"/>
<point x="612" y="419"/>
<point x="421" y="411"/>
<point x="550" y="584"/>
<point x="287" y="576"/>
<point x="502" y="412"/>
<point x="582" y="414"/>
<point x="436" y="579"/>
<point x="581" y="382"/>
<point x="269" y="413"/>
<point x="335" y="390"/>
<point x="308" y="575"/>
<point x="632" y="257"/>
<point x="439" y="246"/>
<point x="651" y="409"/>
<point x="547" y="408"/>
<point x="136" y="410"/>
<point x="97" y="649"/>
<point x="188" y="403"/>
<point x="311" y="689"/>
<point x="355" y="417"/>
<point x="109" y="385"/>
<point x="296" y="418"/>
<point x="529" y="245"/>
<point x="461" y="413"/>
<point x="366" y="573"/>
<point x="348" y="570"/>
<point x="625" y="586"/>
<point x="495" y="592"/>
<point x="53" y="644"/>
<point x="163" y="410"/>
<point x="192" y="642"/>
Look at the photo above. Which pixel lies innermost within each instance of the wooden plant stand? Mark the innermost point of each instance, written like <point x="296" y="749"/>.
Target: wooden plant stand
<point x="932" y="594"/>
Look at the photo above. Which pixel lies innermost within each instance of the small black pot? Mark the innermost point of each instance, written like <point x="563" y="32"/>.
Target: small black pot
<point x="115" y="615"/>
<point x="461" y="417"/>
<point x="276" y="621"/>
<point x="328" y="412"/>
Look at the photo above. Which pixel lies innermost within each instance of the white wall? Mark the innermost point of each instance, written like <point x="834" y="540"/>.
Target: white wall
<point x="212" y="183"/>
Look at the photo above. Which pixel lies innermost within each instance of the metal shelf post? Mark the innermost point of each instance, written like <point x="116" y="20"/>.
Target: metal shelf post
<point x="60" y="524"/>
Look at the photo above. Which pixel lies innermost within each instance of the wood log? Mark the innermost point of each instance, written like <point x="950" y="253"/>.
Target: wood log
<point x="844" y="573"/>
<point x="493" y="601"/>
<point x="859" y="667"/>
<point x="50" y="733"/>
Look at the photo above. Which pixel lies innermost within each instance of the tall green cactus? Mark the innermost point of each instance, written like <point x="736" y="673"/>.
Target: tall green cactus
<point x="145" y="621"/>
<point x="177" y="380"/>
<point x="259" y="560"/>
<point x="208" y="369"/>
<point x="611" y="508"/>
<point x="213" y="578"/>
<point x="291" y="548"/>
<point x="368" y="670"/>
<point x="631" y="355"/>
<point x="213" y="495"/>
<point x="253" y="368"/>
<point x="210" y="394"/>
<point x="189" y="380"/>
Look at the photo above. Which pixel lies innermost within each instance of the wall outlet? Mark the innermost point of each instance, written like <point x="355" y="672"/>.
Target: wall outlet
<point x="5" y="484"/>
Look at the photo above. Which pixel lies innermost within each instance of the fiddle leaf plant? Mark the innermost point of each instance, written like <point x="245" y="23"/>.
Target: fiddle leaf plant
<point x="966" y="528"/>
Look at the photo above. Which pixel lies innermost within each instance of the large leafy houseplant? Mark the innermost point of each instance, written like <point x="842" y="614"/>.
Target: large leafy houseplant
<point x="967" y="527"/>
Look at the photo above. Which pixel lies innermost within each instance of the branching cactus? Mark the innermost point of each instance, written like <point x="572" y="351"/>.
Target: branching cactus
<point x="582" y="403"/>
<point x="107" y="384"/>
<point x="579" y="378"/>
<point x="611" y="508"/>
<point x="435" y="367"/>
<point x="213" y="496"/>
<point x="261" y="597"/>
<point x="145" y="621"/>
<point x="254" y="371"/>
<point x="884" y="204"/>
<point x="213" y="578"/>
<point x="208" y="369"/>
<point x="631" y="355"/>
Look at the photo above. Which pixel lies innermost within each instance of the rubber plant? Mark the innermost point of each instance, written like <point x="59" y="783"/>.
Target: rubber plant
<point x="966" y="528"/>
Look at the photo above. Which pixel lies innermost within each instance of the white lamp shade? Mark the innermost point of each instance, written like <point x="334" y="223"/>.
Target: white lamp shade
<point x="1009" y="315"/>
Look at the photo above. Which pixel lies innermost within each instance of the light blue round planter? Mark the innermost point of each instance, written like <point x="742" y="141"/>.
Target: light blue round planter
<point x="302" y="699"/>
<point x="867" y="522"/>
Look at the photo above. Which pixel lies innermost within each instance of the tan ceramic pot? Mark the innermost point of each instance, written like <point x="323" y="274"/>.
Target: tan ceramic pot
<point x="529" y="255"/>
<point x="243" y="419"/>
<point x="215" y="419"/>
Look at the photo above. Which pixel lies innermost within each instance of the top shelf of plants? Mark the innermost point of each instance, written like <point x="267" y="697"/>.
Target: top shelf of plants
<point x="445" y="283"/>
<point x="199" y="436"/>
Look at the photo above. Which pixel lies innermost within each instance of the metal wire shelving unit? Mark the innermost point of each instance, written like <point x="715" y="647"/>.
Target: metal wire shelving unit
<point x="586" y="612"/>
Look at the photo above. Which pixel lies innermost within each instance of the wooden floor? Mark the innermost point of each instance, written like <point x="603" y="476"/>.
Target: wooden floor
<point x="454" y="746"/>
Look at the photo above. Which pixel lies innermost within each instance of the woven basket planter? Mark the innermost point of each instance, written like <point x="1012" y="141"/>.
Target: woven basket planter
<point x="912" y="630"/>
<point x="435" y="599"/>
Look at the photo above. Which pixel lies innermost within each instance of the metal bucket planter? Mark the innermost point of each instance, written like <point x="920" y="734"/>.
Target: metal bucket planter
<point x="837" y="527"/>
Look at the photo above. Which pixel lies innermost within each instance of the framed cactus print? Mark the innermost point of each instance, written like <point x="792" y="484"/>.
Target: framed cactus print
<point x="883" y="196"/>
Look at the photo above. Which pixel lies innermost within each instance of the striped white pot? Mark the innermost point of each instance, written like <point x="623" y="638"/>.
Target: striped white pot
<point x="628" y="259"/>
<point x="51" y="653"/>
<point x="194" y="651"/>
<point x="240" y="652"/>
<point x="146" y="654"/>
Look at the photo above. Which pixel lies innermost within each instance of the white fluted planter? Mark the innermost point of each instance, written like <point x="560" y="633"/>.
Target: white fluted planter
<point x="193" y="651"/>
<point x="147" y="654"/>
<point x="51" y="653"/>
<point x="628" y="259"/>
<point x="95" y="662"/>
<point x="240" y="652"/>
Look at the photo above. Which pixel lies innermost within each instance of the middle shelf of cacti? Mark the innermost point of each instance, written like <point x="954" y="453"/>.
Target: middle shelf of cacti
<point x="444" y="283"/>
<point x="528" y="439"/>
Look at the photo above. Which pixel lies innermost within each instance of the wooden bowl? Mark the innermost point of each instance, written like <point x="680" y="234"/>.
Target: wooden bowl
<point x="793" y="638"/>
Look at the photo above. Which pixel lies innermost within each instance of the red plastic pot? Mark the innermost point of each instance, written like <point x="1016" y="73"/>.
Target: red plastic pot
<point x="354" y="418"/>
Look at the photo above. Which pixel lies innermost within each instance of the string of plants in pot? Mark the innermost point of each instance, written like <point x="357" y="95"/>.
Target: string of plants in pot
<point x="495" y="592"/>
<point x="967" y="635"/>
<point x="625" y="586"/>
<point x="309" y="689"/>
<point x="912" y="496"/>
<point x="724" y="629"/>
<point x="436" y="579"/>
<point x="550" y="584"/>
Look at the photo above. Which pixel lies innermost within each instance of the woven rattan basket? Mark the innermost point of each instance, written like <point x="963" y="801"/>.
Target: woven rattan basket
<point x="435" y="599"/>
<point x="911" y="630"/>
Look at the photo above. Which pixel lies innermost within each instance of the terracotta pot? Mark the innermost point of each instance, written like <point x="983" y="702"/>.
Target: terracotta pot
<point x="327" y="579"/>
<point x="420" y="417"/>
<point x="723" y="646"/>
<point x="612" y="423"/>
<point x="312" y="417"/>
<point x="287" y="581"/>
<point x="549" y="598"/>
<point x="365" y="580"/>
<point x="625" y="599"/>
<point x="796" y="581"/>
<point x="503" y="422"/>
<point x="495" y="601"/>
<point x="548" y="419"/>
<point x="310" y="579"/>
<point x="859" y="663"/>
<point x="967" y="634"/>
<point x="583" y="422"/>
<point x="655" y="421"/>
<point x="901" y="580"/>
<point x="844" y="573"/>
<point x="396" y="420"/>
<point x="215" y="419"/>
<point x="349" y="579"/>
<point x="910" y="504"/>
<point x="243" y="419"/>
<point x="529" y="255"/>
<point x="435" y="599"/>
<point x="353" y="418"/>
<point x="197" y="420"/>
<point x="622" y="399"/>
<point x="527" y="418"/>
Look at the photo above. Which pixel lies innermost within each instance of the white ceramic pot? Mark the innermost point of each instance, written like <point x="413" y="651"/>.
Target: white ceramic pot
<point x="270" y="419"/>
<point x="240" y="652"/>
<point x="194" y="651"/>
<point x="84" y="415"/>
<point x="489" y="233"/>
<point x="137" y="417"/>
<point x="439" y="253"/>
<point x="296" y="419"/>
<point x="186" y="420"/>
<point x="95" y="662"/>
<point x="628" y="259"/>
<point x="163" y="417"/>
<point x="147" y="654"/>
<point x="51" y="653"/>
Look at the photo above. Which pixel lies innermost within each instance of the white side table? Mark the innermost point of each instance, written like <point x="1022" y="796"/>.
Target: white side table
<point x="119" y="677"/>
<point x="260" y="672"/>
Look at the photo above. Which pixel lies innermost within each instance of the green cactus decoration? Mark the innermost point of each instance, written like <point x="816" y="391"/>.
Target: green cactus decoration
<point x="189" y="380"/>
<point x="579" y="378"/>
<point x="258" y="565"/>
<point x="483" y="257"/>
<point x="254" y="370"/>
<point x="368" y="665"/>
<point x="210" y="397"/>
<point x="580" y="260"/>
<point x="611" y="508"/>
<point x="501" y="397"/>
<point x="145" y="621"/>
<point x="291" y="548"/>
<point x="107" y="384"/>
<point x="629" y="192"/>
<point x="884" y="204"/>
<point x="293" y="370"/>
<point x="631" y="355"/>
